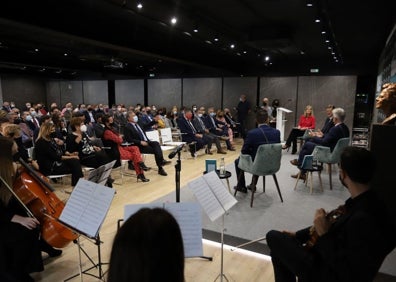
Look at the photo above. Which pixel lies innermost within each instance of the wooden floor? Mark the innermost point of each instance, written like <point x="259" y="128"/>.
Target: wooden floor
<point x="239" y="265"/>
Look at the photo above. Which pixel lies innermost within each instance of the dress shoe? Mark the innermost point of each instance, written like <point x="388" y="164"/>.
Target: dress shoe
<point x="231" y="149"/>
<point x="164" y="162"/>
<point x="51" y="251"/>
<point x="143" y="166"/>
<point x="162" y="172"/>
<point x="240" y="189"/>
<point x="302" y="176"/>
<point x="207" y="151"/>
<point x="221" y="152"/>
<point x="142" y="178"/>
<point x="294" y="162"/>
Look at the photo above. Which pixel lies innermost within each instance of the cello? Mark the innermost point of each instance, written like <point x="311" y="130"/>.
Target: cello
<point x="34" y="190"/>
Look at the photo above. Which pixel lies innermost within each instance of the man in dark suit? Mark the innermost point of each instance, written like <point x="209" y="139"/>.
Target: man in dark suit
<point x="199" y="124"/>
<point x="134" y="134"/>
<point x="190" y="134"/>
<point x="338" y="131"/>
<point x="346" y="244"/>
<point x="263" y="134"/>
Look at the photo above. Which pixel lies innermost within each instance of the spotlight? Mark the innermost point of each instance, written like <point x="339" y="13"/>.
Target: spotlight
<point x="267" y="58"/>
<point x="139" y="5"/>
<point x="232" y="46"/>
<point x="216" y="38"/>
<point x="317" y="20"/>
<point x="173" y="20"/>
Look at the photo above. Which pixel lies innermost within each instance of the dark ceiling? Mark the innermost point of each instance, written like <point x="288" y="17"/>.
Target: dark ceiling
<point x="113" y="38"/>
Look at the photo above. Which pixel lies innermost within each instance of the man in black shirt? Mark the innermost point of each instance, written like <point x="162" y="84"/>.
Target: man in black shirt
<point x="243" y="109"/>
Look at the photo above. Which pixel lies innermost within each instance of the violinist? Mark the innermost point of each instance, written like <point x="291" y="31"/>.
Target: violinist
<point x="20" y="246"/>
<point x="348" y="247"/>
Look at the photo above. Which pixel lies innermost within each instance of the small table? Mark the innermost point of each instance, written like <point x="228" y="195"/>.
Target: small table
<point x="225" y="176"/>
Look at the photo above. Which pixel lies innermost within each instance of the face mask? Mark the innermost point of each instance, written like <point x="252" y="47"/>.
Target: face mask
<point x="175" y="113"/>
<point x="124" y="113"/>
<point x="28" y="118"/>
<point x="135" y="119"/>
<point x="68" y="109"/>
<point x="194" y="109"/>
<point x="212" y="114"/>
<point x="12" y="105"/>
<point x="83" y="128"/>
<point x="200" y="115"/>
<point x="33" y="113"/>
<point x="240" y="99"/>
<point x="154" y="108"/>
<point x="53" y="134"/>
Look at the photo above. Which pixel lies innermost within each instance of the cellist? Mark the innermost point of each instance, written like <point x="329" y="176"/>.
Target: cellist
<point x="20" y="243"/>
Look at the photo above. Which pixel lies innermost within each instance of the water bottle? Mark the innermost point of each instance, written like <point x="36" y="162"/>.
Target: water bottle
<point x="222" y="167"/>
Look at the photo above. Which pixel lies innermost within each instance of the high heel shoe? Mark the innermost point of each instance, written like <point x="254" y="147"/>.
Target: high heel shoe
<point x="142" y="178"/>
<point x="285" y="146"/>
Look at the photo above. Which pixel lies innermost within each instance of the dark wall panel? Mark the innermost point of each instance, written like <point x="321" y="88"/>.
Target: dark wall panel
<point x="95" y="92"/>
<point x="22" y="90"/>
<point x="319" y="91"/>
<point x="234" y="87"/>
<point x="284" y="89"/>
<point x="164" y="92"/>
<point x="202" y="92"/>
<point x="129" y="92"/>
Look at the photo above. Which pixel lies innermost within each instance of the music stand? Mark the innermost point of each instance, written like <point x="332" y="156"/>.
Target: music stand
<point x="101" y="174"/>
<point x="84" y="213"/>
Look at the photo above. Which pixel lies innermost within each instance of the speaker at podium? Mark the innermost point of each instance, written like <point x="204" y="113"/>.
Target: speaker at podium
<point x="281" y="120"/>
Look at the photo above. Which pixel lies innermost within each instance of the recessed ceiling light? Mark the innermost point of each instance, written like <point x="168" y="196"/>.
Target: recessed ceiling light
<point x="309" y="4"/>
<point x="65" y="54"/>
<point x="327" y="41"/>
<point x="267" y="58"/>
<point x="302" y="52"/>
<point x="139" y="5"/>
<point x="317" y="20"/>
<point x="173" y="20"/>
<point x="36" y="50"/>
<point x="232" y="46"/>
<point x="244" y="52"/>
<point x="216" y="39"/>
<point x="187" y="33"/>
<point x="207" y="41"/>
<point x="323" y="32"/>
<point x="329" y="48"/>
<point x="151" y="75"/>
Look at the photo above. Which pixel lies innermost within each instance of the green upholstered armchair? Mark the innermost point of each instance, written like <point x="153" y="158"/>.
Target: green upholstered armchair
<point x="266" y="162"/>
<point x="324" y="155"/>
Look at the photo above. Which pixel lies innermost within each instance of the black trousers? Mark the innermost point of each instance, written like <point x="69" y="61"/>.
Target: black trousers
<point x="153" y="148"/>
<point x="292" y="139"/>
<point x="289" y="258"/>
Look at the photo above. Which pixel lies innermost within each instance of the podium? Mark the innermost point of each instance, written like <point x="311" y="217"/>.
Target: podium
<point x="281" y="120"/>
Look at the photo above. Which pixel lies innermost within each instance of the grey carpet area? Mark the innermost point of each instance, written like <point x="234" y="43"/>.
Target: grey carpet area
<point x="243" y="223"/>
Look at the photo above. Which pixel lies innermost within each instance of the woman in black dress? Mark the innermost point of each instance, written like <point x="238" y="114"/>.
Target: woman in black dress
<point x="52" y="157"/>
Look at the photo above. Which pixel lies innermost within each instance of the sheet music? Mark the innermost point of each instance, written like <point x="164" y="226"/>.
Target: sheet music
<point x="87" y="207"/>
<point x="188" y="216"/>
<point x="206" y="198"/>
<point x="220" y="190"/>
<point x="212" y="194"/>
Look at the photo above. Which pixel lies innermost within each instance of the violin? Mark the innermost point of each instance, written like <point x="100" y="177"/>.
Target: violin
<point x="34" y="190"/>
<point x="332" y="216"/>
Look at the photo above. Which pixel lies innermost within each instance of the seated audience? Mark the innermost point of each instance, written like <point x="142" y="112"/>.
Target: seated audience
<point x="148" y="247"/>
<point x="346" y="244"/>
<point x="51" y="156"/>
<point x="117" y="151"/>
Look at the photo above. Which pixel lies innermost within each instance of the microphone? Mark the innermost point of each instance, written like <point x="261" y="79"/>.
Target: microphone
<point x="175" y="151"/>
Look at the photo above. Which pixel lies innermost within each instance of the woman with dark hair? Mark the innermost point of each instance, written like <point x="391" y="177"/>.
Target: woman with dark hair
<point x="113" y="140"/>
<point x="148" y="248"/>
<point x="20" y="252"/>
<point x="51" y="156"/>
